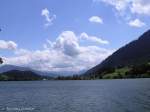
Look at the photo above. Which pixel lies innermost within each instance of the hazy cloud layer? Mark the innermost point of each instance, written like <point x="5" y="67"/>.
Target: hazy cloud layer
<point x="64" y="54"/>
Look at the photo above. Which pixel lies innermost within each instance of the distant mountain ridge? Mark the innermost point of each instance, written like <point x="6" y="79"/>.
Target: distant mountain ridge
<point x="135" y="53"/>
<point x="16" y="75"/>
<point x="6" y="68"/>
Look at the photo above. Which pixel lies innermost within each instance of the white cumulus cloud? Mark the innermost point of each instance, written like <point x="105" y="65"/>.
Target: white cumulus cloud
<point x="10" y="45"/>
<point x="49" y="18"/>
<point x="128" y="9"/>
<point x="135" y="6"/>
<point x="68" y="43"/>
<point x="85" y="36"/>
<point x="96" y="19"/>
<point x="136" y="23"/>
<point x="119" y="5"/>
<point x="141" y="7"/>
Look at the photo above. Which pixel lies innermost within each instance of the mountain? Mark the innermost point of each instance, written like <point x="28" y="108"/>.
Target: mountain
<point x="5" y="68"/>
<point x="68" y="73"/>
<point x="46" y="73"/>
<point x="16" y="75"/>
<point x="135" y="53"/>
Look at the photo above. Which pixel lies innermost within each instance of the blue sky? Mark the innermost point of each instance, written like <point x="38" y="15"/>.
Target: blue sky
<point x="70" y="27"/>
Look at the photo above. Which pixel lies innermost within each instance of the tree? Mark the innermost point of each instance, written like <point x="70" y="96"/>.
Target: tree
<point x="1" y="61"/>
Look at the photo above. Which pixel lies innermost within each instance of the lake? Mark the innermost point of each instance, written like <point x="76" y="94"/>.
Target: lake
<point x="126" y="95"/>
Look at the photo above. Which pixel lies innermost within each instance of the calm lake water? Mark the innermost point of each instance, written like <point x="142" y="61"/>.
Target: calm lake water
<point x="132" y="95"/>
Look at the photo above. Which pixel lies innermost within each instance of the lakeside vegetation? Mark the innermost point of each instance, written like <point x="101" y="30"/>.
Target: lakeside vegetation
<point x="138" y="71"/>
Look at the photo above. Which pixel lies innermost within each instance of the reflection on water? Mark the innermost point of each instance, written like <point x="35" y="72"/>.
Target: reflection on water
<point x="132" y="95"/>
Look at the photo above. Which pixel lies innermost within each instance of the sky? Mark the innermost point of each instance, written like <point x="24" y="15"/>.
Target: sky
<point x="68" y="35"/>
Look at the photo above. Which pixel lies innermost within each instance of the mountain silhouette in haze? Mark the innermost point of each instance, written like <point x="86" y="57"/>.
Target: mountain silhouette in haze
<point x="135" y="53"/>
<point x="6" y="68"/>
<point x="16" y="75"/>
